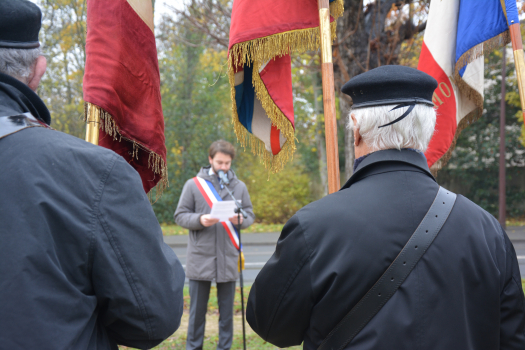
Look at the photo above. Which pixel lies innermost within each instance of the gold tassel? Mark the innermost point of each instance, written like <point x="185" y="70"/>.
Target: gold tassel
<point x="337" y="8"/>
<point x="155" y="161"/>
<point x="256" y="52"/>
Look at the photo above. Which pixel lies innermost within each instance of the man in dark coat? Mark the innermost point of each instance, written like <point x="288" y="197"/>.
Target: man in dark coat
<point x="465" y="292"/>
<point x="82" y="260"/>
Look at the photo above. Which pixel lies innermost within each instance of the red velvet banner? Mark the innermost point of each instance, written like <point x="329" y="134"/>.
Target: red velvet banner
<point x="122" y="77"/>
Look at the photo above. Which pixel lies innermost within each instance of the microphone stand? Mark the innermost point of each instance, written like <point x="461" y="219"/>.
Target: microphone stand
<point x="239" y="210"/>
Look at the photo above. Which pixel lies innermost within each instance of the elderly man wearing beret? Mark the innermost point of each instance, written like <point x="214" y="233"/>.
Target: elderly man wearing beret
<point x="391" y="261"/>
<point x="82" y="260"/>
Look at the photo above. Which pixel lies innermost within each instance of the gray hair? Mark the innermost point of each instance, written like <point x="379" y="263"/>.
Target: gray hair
<point x="18" y="63"/>
<point x="414" y="131"/>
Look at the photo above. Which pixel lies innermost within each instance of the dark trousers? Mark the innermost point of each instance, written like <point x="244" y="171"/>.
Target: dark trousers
<point x="199" y="295"/>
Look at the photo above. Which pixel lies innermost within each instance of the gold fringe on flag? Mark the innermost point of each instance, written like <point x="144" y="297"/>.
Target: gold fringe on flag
<point x="337" y="8"/>
<point x="155" y="161"/>
<point x="257" y="52"/>
<point x="471" y="55"/>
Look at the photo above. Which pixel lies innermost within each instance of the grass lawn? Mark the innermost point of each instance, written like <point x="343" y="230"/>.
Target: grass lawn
<point x="173" y="230"/>
<point x="211" y="335"/>
<point x="515" y="222"/>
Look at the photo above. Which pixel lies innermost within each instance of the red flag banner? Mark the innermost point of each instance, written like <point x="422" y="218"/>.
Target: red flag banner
<point x="122" y="84"/>
<point x="263" y="35"/>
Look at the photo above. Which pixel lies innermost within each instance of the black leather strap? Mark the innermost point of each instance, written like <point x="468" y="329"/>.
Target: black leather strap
<point x="394" y="276"/>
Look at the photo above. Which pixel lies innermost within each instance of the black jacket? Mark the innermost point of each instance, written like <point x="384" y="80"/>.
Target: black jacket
<point x="465" y="293"/>
<point x="82" y="260"/>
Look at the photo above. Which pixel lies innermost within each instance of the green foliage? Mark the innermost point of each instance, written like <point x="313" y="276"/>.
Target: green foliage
<point x="195" y="100"/>
<point x="277" y="197"/>
<point x="63" y="41"/>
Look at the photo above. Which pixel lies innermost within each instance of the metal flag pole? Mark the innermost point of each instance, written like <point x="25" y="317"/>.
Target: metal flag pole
<point x="327" y="71"/>
<point x="92" y="124"/>
<point x="519" y="61"/>
<point x="240" y="211"/>
<point x="502" y="185"/>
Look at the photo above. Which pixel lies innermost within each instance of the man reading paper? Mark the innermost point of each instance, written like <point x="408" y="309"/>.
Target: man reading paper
<point x="212" y="246"/>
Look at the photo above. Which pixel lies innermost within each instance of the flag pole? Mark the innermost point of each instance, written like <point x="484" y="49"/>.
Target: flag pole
<point x="519" y="61"/>
<point x="327" y="71"/>
<point x="502" y="185"/>
<point x="92" y="124"/>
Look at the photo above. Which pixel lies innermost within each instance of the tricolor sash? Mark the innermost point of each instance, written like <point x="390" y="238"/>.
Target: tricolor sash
<point x="211" y="196"/>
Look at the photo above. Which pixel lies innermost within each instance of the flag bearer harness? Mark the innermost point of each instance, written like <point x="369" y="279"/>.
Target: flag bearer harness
<point x="394" y="276"/>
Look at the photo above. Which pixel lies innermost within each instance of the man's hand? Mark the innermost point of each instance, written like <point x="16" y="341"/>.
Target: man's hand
<point x="234" y="220"/>
<point x="206" y="220"/>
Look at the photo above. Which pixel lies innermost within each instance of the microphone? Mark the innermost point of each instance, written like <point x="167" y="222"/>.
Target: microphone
<point x="223" y="177"/>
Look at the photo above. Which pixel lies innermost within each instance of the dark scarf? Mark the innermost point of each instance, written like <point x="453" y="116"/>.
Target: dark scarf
<point x="16" y="97"/>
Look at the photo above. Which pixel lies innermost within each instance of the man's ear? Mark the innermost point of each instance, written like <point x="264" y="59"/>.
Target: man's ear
<point x="357" y="135"/>
<point x="38" y="71"/>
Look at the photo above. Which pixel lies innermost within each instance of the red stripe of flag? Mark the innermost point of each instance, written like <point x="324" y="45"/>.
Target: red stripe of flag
<point x="275" y="140"/>
<point x="445" y="101"/>
<point x="230" y="234"/>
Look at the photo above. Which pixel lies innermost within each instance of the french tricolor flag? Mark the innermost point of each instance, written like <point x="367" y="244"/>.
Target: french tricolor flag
<point x="458" y="34"/>
<point x="263" y="35"/>
<point x="276" y="75"/>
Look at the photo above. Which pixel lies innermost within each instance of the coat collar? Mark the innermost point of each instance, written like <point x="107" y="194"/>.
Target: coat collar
<point x="17" y="98"/>
<point x="391" y="159"/>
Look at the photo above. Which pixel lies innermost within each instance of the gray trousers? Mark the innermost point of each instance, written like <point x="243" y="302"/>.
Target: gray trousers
<point x="199" y="295"/>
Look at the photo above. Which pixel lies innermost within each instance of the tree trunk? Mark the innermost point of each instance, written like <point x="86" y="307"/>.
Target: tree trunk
<point x="319" y="132"/>
<point x="363" y="43"/>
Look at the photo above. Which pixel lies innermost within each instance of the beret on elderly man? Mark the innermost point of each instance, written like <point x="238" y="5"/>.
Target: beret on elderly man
<point x="392" y="260"/>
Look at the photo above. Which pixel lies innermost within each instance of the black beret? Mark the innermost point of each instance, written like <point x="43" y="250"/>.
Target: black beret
<point x="20" y="22"/>
<point x="390" y="85"/>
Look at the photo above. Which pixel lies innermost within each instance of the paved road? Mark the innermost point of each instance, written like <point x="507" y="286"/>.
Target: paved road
<point x="258" y="248"/>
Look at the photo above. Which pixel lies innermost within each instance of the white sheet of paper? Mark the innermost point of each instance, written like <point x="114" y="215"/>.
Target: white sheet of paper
<point x="223" y="210"/>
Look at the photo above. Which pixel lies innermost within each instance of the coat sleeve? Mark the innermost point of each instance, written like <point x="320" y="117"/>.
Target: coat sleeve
<point x="248" y="208"/>
<point x="185" y="215"/>
<point x="137" y="279"/>
<point x="280" y="314"/>
<point x="512" y="323"/>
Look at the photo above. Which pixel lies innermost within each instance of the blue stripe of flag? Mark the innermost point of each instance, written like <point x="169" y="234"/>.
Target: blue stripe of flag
<point x="481" y="21"/>
<point x="244" y="99"/>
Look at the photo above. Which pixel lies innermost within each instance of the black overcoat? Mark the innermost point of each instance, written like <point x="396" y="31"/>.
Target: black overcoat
<point x="465" y="293"/>
<point x="82" y="260"/>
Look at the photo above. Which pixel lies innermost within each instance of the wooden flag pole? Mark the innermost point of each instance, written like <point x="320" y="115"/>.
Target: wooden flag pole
<point x="519" y="61"/>
<point x="93" y="123"/>
<point x="327" y="70"/>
